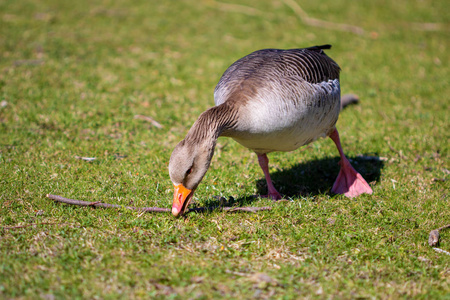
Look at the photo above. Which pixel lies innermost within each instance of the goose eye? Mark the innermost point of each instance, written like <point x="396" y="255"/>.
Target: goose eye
<point x="189" y="171"/>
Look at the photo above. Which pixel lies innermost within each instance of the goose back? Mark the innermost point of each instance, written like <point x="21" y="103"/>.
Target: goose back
<point x="274" y="65"/>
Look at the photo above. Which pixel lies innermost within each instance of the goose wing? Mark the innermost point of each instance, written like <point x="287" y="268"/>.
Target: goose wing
<point x="274" y="67"/>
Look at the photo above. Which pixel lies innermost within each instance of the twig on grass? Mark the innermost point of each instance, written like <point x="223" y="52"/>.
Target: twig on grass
<point x="34" y="224"/>
<point x="29" y="62"/>
<point x="153" y="209"/>
<point x="148" y="119"/>
<point x="441" y="251"/>
<point x="433" y="238"/>
<point x="230" y="7"/>
<point x="427" y="26"/>
<point x="236" y="273"/>
<point x="85" y="158"/>
<point x="304" y="17"/>
<point x="321" y="23"/>
<point x="104" y="205"/>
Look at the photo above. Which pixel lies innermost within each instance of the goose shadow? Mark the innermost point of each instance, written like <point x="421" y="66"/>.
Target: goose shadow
<point x="315" y="177"/>
<point x="309" y="178"/>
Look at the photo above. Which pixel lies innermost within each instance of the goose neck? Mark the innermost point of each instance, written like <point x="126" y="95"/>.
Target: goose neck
<point x="212" y="123"/>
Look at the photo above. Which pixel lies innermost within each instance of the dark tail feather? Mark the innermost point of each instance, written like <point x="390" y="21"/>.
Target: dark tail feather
<point x="319" y="48"/>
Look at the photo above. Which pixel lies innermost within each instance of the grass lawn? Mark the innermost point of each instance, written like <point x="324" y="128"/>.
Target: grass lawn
<point x="73" y="75"/>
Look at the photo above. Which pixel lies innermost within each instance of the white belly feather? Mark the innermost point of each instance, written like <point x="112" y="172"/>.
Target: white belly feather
<point x="288" y="116"/>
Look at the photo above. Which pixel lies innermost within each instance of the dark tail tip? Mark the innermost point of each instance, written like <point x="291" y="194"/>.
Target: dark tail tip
<point x="319" y="48"/>
<point x="327" y="46"/>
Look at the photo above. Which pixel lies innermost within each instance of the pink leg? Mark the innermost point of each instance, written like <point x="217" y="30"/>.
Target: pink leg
<point x="349" y="182"/>
<point x="264" y="163"/>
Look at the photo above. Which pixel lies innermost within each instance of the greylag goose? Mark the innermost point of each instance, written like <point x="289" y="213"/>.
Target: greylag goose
<point x="270" y="100"/>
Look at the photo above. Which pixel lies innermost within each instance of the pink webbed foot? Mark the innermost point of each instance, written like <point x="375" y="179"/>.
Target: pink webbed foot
<point x="349" y="182"/>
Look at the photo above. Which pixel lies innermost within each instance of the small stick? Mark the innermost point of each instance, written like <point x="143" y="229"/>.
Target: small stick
<point x="85" y="158"/>
<point x="29" y="62"/>
<point x="152" y="209"/>
<point x="34" y="224"/>
<point x="304" y="17"/>
<point x="441" y="251"/>
<point x="321" y="23"/>
<point x="104" y="205"/>
<point x="427" y="26"/>
<point x="433" y="238"/>
<point x="229" y="7"/>
<point x="148" y="119"/>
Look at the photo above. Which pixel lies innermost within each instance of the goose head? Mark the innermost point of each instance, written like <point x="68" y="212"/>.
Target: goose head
<point x="188" y="164"/>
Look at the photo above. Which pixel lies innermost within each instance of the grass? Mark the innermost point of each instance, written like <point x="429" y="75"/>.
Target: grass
<point x="74" y="75"/>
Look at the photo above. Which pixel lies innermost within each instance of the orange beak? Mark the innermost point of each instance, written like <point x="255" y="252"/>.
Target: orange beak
<point x="181" y="199"/>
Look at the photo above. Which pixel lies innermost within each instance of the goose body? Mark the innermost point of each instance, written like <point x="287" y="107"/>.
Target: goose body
<point x="284" y="103"/>
<point x="270" y="100"/>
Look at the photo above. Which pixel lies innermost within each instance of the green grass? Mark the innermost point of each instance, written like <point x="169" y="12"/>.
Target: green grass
<point x="74" y="74"/>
